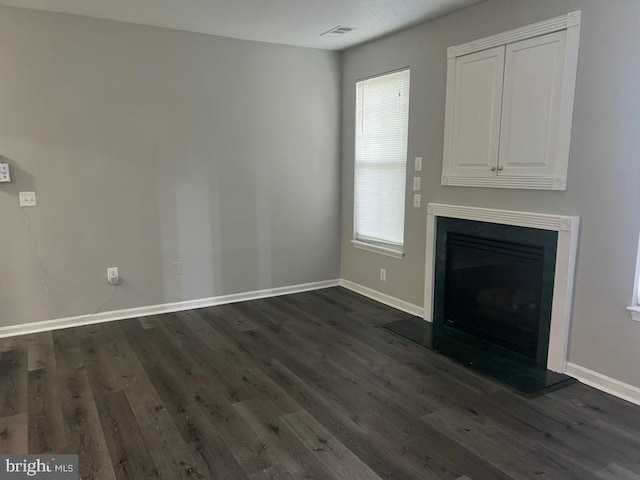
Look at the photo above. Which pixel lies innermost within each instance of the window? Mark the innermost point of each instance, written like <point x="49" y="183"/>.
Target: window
<point x="382" y="119"/>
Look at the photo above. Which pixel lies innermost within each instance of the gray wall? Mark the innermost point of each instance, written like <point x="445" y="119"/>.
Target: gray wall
<point x="604" y="168"/>
<point x="149" y="146"/>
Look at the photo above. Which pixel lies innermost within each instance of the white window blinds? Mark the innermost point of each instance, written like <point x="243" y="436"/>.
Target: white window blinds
<point x="382" y="119"/>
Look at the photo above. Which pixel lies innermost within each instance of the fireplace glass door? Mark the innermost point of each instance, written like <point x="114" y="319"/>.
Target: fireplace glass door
<point x="494" y="290"/>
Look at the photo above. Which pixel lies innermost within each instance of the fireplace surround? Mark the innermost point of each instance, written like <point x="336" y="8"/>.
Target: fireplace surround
<point x="553" y="235"/>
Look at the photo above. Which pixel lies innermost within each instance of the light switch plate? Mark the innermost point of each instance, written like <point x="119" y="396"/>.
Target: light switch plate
<point x="28" y="199"/>
<point x="5" y="175"/>
<point x="416" y="184"/>
<point x="417" y="199"/>
<point x="418" y="164"/>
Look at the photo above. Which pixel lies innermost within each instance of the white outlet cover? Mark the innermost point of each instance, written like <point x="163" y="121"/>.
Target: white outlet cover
<point x="113" y="277"/>
<point x="417" y="199"/>
<point x="28" y="199"/>
<point x="418" y="164"/>
<point x="416" y="184"/>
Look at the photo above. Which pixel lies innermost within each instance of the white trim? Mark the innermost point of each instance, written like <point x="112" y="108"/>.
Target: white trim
<point x="382" y="298"/>
<point x="634" y="309"/>
<point x="607" y="384"/>
<point x="542" y="221"/>
<point x="372" y="247"/>
<point x="449" y="116"/>
<point x="635" y="313"/>
<point x="501" y="181"/>
<point x="558" y="181"/>
<point x="567" y="98"/>
<point x="59" y="323"/>
<point x="563" y="22"/>
<point x="567" y="228"/>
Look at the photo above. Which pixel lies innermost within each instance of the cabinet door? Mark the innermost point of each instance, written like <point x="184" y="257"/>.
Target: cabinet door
<point x="533" y="79"/>
<point x="476" y="116"/>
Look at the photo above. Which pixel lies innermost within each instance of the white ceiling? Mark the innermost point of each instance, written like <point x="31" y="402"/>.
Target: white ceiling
<point x="293" y="22"/>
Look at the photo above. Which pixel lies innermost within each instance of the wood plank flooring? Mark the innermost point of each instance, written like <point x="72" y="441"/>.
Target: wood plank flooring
<point x="297" y="387"/>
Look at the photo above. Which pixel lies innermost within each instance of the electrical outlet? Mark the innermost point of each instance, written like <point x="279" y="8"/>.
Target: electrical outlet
<point x="417" y="199"/>
<point x="418" y="164"/>
<point x="176" y="268"/>
<point x="416" y="184"/>
<point x="383" y="275"/>
<point x="112" y="275"/>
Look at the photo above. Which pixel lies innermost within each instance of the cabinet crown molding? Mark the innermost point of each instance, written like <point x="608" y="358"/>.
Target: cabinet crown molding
<point x="563" y="22"/>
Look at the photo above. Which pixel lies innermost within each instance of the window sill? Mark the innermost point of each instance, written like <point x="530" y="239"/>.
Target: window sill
<point x="370" y="247"/>
<point x="635" y="312"/>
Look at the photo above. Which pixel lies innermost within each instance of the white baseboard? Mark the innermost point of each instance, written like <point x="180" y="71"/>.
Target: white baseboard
<point x="589" y="377"/>
<point x="606" y="384"/>
<point x="383" y="298"/>
<point x="48" y="325"/>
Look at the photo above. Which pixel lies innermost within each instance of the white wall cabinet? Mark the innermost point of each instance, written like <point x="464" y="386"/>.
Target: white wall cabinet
<point x="509" y="107"/>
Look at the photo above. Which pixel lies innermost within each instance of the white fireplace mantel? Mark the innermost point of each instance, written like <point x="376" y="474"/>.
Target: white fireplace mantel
<point x="567" y="228"/>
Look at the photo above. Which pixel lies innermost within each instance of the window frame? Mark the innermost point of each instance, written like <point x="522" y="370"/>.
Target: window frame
<point x="390" y="249"/>
<point x="634" y="309"/>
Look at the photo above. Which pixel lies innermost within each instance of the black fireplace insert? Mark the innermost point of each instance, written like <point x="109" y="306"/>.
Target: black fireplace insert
<point x="494" y="283"/>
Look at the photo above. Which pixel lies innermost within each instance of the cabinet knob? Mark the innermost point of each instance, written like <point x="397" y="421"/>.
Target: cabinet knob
<point x="500" y="167"/>
<point x="493" y="169"/>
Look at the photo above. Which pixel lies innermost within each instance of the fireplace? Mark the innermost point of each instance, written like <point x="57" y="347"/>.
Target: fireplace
<point x="498" y="289"/>
<point x="501" y="278"/>
<point x="494" y="282"/>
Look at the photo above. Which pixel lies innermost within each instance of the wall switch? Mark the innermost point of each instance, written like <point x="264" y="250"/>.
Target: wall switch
<point x="417" y="199"/>
<point x="28" y="199"/>
<point x="5" y="175"/>
<point x="383" y="275"/>
<point x="176" y="268"/>
<point x="112" y="275"/>
<point x="418" y="165"/>
<point x="416" y="184"/>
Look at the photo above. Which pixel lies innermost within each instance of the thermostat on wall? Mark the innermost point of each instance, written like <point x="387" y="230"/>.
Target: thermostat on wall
<point x="5" y="176"/>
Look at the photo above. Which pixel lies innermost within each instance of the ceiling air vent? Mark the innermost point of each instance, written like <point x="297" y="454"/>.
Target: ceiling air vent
<point x="337" y="31"/>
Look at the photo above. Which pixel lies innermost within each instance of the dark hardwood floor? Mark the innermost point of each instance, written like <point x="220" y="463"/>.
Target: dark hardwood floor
<point x="295" y="387"/>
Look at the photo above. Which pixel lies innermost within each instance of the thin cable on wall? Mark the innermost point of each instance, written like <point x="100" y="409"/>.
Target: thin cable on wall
<point x="113" y="294"/>
<point x="26" y="221"/>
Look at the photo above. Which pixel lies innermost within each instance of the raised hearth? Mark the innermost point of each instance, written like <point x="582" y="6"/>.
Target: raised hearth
<point x="526" y="377"/>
